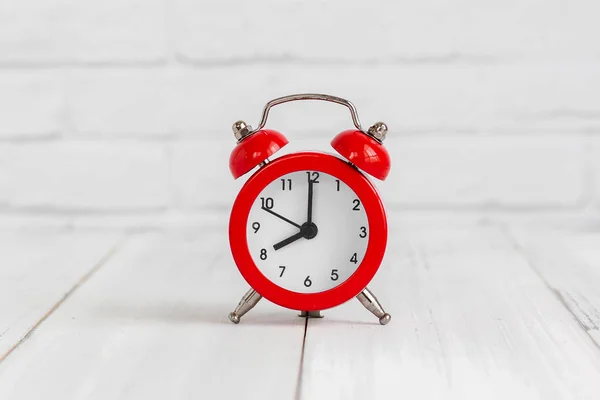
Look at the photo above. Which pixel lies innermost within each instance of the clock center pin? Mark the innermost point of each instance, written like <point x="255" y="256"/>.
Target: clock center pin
<point x="309" y="230"/>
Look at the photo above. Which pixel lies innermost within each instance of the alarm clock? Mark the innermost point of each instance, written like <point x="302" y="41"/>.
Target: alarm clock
<point x="308" y="230"/>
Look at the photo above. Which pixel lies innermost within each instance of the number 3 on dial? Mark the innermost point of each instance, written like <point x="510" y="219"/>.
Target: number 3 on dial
<point x="307" y="231"/>
<point x="307" y="220"/>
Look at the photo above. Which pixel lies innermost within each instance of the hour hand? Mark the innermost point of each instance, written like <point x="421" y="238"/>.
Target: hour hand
<point x="289" y="240"/>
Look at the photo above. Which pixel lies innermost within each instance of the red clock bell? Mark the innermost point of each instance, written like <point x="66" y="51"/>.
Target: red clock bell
<point x="308" y="230"/>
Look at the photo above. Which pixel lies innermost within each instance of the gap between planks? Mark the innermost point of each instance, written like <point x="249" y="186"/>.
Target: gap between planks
<point x="522" y="252"/>
<point x="86" y="277"/>
<point x="298" y="394"/>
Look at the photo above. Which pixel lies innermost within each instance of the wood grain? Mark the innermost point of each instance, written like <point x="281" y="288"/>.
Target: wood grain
<point x="470" y="320"/>
<point x="568" y="261"/>
<point x="152" y="324"/>
<point x="479" y="312"/>
<point x="38" y="270"/>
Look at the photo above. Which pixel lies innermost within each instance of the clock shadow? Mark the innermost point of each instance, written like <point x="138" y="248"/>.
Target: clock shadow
<point x="189" y="313"/>
<point x="348" y="322"/>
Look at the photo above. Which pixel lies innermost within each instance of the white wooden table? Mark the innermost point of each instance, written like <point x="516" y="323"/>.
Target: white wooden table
<point x="480" y="311"/>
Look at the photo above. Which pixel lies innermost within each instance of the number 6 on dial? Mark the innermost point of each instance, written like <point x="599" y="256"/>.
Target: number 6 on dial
<point x="308" y="230"/>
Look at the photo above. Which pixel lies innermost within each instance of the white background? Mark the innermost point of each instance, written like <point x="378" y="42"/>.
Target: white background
<point x="118" y="112"/>
<point x="116" y="277"/>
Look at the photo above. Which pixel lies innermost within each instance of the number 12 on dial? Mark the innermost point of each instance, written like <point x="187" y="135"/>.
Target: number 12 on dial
<point x="319" y="254"/>
<point x="311" y="231"/>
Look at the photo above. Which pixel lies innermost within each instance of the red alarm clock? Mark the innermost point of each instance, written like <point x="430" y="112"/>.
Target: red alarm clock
<point x="308" y="230"/>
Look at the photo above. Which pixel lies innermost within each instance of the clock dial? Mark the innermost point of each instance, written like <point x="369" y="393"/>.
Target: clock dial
<point x="307" y="231"/>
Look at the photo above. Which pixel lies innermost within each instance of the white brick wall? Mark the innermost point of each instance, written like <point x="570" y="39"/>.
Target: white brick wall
<point x="47" y="32"/>
<point x="196" y="102"/>
<point x="123" y="107"/>
<point x="594" y="172"/>
<point x="427" y="172"/>
<point x="31" y="104"/>
<point x="76" y="176"/>
<point x="389" y="31"/>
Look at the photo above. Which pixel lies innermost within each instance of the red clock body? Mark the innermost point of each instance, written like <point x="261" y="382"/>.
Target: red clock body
<point x="308" y="231"/>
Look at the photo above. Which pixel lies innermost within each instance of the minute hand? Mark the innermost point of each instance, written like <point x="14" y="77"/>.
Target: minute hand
<point x="310" y="200"/>
<point x="281" y="217"/>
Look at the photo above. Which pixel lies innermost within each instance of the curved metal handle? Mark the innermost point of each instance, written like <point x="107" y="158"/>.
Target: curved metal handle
<point x="308" y="96"/>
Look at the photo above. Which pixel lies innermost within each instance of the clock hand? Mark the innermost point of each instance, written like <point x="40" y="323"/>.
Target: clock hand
<point x="289" y="240"/>
<point x="310" y="200"/>
<point x="307" y="231"/>
<point x="282" y="217"/>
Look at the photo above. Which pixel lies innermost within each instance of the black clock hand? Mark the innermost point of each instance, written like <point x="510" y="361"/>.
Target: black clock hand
<point x="289" y="240"/>
<point x="310" y="200"/>
<point x="281" y="217"/>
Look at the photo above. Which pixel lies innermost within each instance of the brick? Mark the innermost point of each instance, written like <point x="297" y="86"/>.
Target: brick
<point x="122" y="102"/>
<point x="595" y="170"/>
<point x="429" y="172"/>
<point x="84" y="176"/>
<point x="201" y="177"/>
<point x="31" y="104"/>
<point x="411" y="99"/>
<point x="65" y="31"/>
<point x="349" y="31"/>
<point x="488" y="172"/>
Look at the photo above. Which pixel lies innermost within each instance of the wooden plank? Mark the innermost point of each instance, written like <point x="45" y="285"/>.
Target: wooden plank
<point x="38" y="269"/>
<point x="470" y="320"/>
<point x="568" y="261"/>
<point x="152" y="324"/>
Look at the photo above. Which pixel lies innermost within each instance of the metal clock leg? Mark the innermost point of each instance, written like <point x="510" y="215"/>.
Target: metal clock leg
<point x="368" y="299"/>
<point x="310" y="314"/>
<point x="246" y="304"/>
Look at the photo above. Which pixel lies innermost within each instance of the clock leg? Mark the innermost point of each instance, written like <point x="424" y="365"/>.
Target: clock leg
<point x="310" y="314"/>
<point x="246" y="304"/>
<point x="368" y="299"/>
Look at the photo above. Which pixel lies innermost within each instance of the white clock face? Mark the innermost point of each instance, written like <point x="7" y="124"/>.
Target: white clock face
<point x="304" y="247"/>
